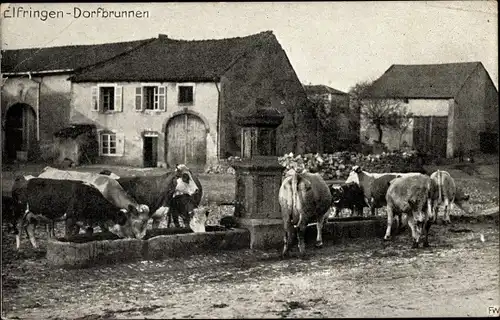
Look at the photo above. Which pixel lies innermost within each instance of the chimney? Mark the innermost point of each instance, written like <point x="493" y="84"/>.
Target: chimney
<point x="162" y="36"/>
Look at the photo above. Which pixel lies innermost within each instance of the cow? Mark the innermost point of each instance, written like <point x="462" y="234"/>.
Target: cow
<point x="304" y="198"/>
<point x="379" y="191"/>
<point x="365" y="181"/>
<point x="17" y="216"/>
<point x="77" y="202"/>
<point x="447" y="194"/>
<point x="109" y="188"/>
<point x="411" y="196"/>
<point x="347" y="195"/>
<point x="158" y="193"/>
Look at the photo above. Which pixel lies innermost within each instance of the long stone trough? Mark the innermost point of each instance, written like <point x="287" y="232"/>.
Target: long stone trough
<point x="105" y="248"/>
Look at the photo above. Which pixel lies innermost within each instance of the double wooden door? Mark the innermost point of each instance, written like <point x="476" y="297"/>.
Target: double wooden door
<point x="186" y="141"/>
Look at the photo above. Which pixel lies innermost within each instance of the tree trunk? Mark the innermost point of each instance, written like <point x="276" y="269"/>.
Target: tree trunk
<point x="295" y="133"/>
<point x="379" y="129"/>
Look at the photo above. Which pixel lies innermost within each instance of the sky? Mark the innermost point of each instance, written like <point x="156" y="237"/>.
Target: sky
<point x="334" y="43"/>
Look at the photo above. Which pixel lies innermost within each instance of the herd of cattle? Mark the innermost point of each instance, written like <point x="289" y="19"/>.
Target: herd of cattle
<point x="413" y="198"/>
<point x="124" y="206"/>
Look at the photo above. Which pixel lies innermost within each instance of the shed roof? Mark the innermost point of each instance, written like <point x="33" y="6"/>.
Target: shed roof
<point x="63" y="57"/>
<point x="74" y="130"/>
<point x="322" y="89"/>
<point x="422" y="80"/>
<point x="166" y="59"/>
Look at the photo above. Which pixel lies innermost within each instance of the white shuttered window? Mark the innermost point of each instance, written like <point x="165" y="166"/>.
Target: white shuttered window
<point x="107" y="98"/>
<point x="151" y="97"/>
<point x="111" y="144"/>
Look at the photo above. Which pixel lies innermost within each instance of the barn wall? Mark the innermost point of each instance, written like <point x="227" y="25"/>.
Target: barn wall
<point x="419" y="107"/>
<point x="266" y="73"/>
<point x="469" y="120"/>
<point x="491" y="104"/>
<point x="55" y="93"/>
<point x="133" y="123"/>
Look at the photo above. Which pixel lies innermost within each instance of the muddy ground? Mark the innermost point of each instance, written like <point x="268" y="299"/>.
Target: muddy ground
<point x="457" y="276"/>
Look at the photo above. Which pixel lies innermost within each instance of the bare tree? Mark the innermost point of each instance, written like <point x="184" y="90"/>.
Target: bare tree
<point x="401" y="122"/>
<point x="379" y="112"/>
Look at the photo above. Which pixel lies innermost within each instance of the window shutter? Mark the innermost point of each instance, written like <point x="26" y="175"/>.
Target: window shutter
<point x="120" y="144"/>
<point x="99" y="143"/>
<point x="138" y="99"/>
<point x="119" y="98"/>
<point x="155" y="98"/>
<point x="162" y="98"/>
<point x="94" y="101"/>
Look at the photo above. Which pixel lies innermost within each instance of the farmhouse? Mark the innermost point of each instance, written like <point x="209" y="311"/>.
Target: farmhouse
<point x="173" y="101"/>
<point x="341" y="124"/>
<point x="455" y="107"/>
<point x="154" y="102"/>
<point x="36" y="93"/>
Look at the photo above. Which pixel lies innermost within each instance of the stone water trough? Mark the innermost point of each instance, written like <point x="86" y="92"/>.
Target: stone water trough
<point x="105" y="248"/>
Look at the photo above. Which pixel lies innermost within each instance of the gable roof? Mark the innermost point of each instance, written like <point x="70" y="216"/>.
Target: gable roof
<point x="64" y="58"/>
<point x="422" y="80"/>
<point x="322" y="89"/>
<point x="166" y="59"/>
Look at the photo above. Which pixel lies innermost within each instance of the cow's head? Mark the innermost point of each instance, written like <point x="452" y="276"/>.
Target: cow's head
<point x="462" y="201"/>
<point x="185" y="183"/>
<point x="131" y="222"/>
<point x="356" y="169"/>
<point x="352" y="178"/>
<point x="337" y="193"/>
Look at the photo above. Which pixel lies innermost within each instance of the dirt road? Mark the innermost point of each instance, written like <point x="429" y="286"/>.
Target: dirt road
<point x="457" y="276"/>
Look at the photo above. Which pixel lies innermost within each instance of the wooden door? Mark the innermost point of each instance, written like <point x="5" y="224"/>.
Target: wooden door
<point x="20" y="130"/>
<point x="430" y="135"/>
<point x="150" y="151"/>
<point x="186" y="141"/>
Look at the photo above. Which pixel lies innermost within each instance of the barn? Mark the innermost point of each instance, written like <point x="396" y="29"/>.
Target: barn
<point x="454" y="106"/>
<point x="174" y="101"/>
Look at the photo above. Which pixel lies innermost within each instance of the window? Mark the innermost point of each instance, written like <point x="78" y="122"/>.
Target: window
<point x="150" y="98"/>
<point x="149" y="95"/>
<point x="108" y="144"/>
<point x="186" y="94"/>
<point x="111" y="144"/>
<point x="107" y="98"/>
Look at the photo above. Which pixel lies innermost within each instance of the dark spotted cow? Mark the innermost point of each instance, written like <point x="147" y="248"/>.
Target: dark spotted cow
<point x="160" y="193"/>
<point x="77" y="202"/>
<point x="347" y="195"/>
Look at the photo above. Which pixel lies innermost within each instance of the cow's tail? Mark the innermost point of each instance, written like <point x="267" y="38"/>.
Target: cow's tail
<point x="296" y="203"/>
<point x="440" y="185"/>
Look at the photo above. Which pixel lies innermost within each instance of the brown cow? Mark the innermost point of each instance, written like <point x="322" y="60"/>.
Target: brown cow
<point x="304" y="198"/>
<point x="411" y="196"/>
<point x="447" y="194"/>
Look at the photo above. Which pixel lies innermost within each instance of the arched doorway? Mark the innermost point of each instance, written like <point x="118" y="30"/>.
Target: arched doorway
<point x="20" y="132"/>
<point x="186" y="142"/>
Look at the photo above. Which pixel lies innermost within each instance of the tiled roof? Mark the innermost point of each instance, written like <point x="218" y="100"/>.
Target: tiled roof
<point x="63" y="58"/>
<point x="322" y="89"/>
<point x="166" y="59"/>
<point x="422" y="80"/>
